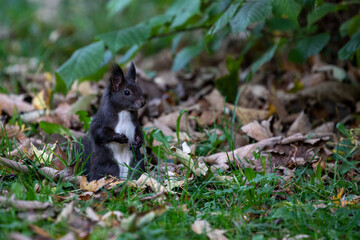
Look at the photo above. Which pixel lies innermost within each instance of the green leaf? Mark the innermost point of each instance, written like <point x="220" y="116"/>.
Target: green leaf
<point x="84" y="118"/>
<point x="350" y="26"/>
<point x="126" y="37"/>
<point x="350" y="47"/>
<point x="84" y="62"/>
<point x="281" y="24"/>
<point x="250" y="174"/>
<point x="130" y="54"/>
<point x="186" y="54"/>
<point x="183" y="10"/>
<point x="264" y="58"/>
<point x="116" y="6"/>
<point x="250" y="12"/>
<point x="53" y="128"/>
<point x="157" y="22"/>
<point x="309" y="46"/>
<point x="288" y="8"/>
<point x="224" y="18"/>
<point x="160" y="137"/>
<point x="182" y="111"/>
<point x="341" y="128"/>
<point x="320" y="12"/>
<point x="227" y="85"/>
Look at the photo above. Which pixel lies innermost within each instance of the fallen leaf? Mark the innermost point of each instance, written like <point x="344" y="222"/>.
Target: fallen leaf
<point x="94" y="185"/>
<point x="41" y="100"/>
<point x="203" y="227"/>
<point x="254" y="96"/>
<point x="68" y="236"/>
<point x="91" y="214"/>
<point x="39" y="231"/>
<point x="185" y="148"/>
<point x="258" y="131"/>
<point x="187" y="160"/>
<point x="65" y="213"/>
<point x="216" y="100"/>
<point x="24" y="205"/>
<point x="60" y="157"/>
<point x="21" y="149"/>
<point x="44" y="155"/>
<point x="247" y="115"/>
<point x="10" y="131"/>
<point x="10" y="103"/>
<point x="146" y="180"/>
<point x="19" y="236"/>
<point x="170" y="120"/>
<point x="300" y="125"/>
<point x="332" y="72"/>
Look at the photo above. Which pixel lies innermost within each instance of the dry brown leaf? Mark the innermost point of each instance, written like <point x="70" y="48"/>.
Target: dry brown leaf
<point x="19" y="236"/>
<point x="216" y="101"/>
<point x="325" y="129"/>
<point x="329" y="90"/>
<point x="217" y="234"/>
<point x="247" y="115"/>
<point x="146" y="180"/>
<point x="203" y="227"/>
<point x="11" y="131"/>
<point x="25" y="146"/>
<point x="91" y="214"/>
<point x="187" y="160"/>
<point x="149" y="217"/>
<point x="94" y="185"/>
<point x="170" y="120"/>
<point x="10" y="103"/>
<point x="258" y="131"/>
<point x="300" y="125"/>
<point x="60" y="157"/>
<point x="208" y="118"/>
<point x="68" y="236"/>
<point x="32" y="216"/>
<point x="254" y="96"/>
<point x="38" y="230"/>
<point x="172" y="183"/>
<point x="111" y="219"/>
<point x="66" y="212"/>
<point x="238" y="155"/>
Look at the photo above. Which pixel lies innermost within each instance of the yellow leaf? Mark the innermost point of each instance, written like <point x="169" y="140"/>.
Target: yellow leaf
<point x="42" y="99"/>
<point x="338" y="197"/>
<point x="43" y="155"/>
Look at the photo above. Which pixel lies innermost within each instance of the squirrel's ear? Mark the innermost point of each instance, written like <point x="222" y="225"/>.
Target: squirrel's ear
<point x="131" y="73"/>
<point x="117" y="78"/>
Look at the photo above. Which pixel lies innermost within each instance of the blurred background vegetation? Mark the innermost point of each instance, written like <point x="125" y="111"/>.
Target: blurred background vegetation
<point x="77" y="39"/>
<point x="51" y="30"/>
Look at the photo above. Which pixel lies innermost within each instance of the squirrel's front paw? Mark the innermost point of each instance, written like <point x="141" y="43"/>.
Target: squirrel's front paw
<point x="137" y="143"/>
<point x="121" y="138"/>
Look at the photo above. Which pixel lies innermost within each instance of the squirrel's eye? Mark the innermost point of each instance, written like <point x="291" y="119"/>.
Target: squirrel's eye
<point x="127" y="92"/>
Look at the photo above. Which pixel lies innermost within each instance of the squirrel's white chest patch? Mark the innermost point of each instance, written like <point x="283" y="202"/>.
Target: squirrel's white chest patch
<point x="121" y="152"/>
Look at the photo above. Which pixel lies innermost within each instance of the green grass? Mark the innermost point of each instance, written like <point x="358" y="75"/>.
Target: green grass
<point x="254" y="206"/>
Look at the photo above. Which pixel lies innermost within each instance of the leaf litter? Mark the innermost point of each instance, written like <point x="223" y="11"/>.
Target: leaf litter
<point x="271" y="131"/>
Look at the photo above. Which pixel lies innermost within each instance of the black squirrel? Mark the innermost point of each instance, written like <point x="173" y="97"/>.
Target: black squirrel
<point x="115" y="131"/>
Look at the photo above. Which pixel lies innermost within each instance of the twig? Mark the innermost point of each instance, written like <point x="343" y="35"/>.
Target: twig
<point x="24" y="205"/>
<point x="153" y="196"/>
<point x="55" y="175"/>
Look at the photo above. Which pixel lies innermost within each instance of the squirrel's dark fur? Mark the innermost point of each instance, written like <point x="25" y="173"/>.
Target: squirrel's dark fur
<point x="115" y="132"/>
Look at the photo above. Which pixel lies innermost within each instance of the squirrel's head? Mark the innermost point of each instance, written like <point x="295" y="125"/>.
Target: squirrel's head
<point x="124" y="92"/>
